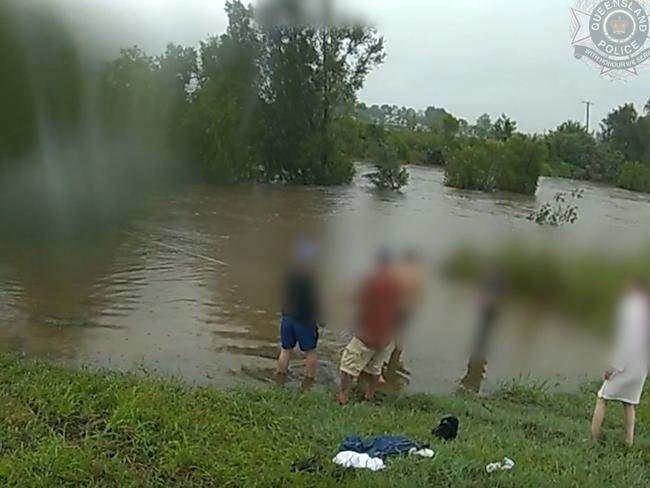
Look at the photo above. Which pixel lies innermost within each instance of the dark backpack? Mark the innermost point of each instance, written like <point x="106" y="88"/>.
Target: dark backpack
<point x="447" y="429"/>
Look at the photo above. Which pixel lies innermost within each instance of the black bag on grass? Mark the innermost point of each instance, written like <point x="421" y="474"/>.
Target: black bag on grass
<point x="447" y="429"/>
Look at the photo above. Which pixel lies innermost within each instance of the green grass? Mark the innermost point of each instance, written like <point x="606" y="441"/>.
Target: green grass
<point x="65" y="428"/>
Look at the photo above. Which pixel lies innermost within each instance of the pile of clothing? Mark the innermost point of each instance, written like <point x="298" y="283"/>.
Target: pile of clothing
<point x="370" y="453"/>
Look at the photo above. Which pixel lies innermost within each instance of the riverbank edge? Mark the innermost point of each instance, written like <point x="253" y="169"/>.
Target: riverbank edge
<point x="64" y="427"/>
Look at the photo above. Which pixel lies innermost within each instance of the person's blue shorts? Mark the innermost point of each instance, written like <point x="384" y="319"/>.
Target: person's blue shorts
<point x="293" y="332"/>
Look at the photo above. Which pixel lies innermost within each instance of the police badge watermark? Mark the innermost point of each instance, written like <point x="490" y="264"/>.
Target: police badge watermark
<point x="612" y="35"/>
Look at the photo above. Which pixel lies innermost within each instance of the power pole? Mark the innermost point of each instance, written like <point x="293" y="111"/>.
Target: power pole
<point x="588" y="105"/>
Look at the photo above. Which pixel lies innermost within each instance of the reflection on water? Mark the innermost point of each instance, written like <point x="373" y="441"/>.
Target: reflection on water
<point x="191" y="287"/>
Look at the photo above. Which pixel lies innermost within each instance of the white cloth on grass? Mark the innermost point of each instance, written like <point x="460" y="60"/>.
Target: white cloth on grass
<point x="425" y="453"/>
<point x="506" y="465"/>
<point x="630" y="358"/>
<point x="350" y="459"/>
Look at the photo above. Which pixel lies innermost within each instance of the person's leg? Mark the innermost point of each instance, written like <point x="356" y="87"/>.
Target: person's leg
<point x="353" y="361"/>
<point x="630" y="420"/>
<point x="283" y="361"/>
<point x="288" y="340"/>
<point x="311" y="363"/>
<point x="374" y="368"/>
<point x="487" y="318"/>
<point x="346" y="384"/>
<point x="396" y="355"/>
<point x="597" y="419"/>
<point x="308" y="339"/>
<point x="371" y="389"/>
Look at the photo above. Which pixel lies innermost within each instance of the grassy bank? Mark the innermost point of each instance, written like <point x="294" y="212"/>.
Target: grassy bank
<point x="62" y="428"/>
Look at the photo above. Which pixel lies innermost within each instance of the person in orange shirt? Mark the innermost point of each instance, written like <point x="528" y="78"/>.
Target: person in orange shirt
<point x="379" y="301"/>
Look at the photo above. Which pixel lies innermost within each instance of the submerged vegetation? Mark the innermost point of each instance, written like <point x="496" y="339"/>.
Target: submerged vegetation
<point x="64" y="428"/>
<point x="562" y="210"/>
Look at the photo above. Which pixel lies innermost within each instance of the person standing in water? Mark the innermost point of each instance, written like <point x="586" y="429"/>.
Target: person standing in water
<point x="491" y="290"/>
<point x="300" y="313"/>
<point x="628" y="369"/>
<point x="411" y="278"/>
<point x="379" y="306"/>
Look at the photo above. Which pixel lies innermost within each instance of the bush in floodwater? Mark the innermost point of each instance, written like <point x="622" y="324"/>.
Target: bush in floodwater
<point x="519" y="167"/>
<point x="388" y="174"/>
<point x="513" y="165"/>
<point x="584" y="286"/>
<point x="471" y="167"/>
<point x="635" y="176"/>
<point x="559" y="211"/>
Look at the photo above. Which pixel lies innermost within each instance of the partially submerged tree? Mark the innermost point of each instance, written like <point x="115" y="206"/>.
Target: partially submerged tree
<point x="385" y="154"/>
<point x="311" y="69"/>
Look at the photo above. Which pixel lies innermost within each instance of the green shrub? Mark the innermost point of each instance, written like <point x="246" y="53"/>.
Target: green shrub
<point x="513" y="165"/>
<point x="520" y="165"/>
<point x="472" y="167"/>
<point x="634" y="176"/>
<point x="557" y="169"/>
<point x="388" y="174"/>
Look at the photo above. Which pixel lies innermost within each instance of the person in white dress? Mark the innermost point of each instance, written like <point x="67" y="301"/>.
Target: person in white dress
<point x="625" y="377"/>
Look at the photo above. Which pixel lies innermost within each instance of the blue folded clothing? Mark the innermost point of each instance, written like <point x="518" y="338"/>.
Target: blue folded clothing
<point x="381" y="447"/>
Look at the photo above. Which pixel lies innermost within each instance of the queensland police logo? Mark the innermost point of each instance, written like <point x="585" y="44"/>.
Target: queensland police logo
<point x="612" y="35"/>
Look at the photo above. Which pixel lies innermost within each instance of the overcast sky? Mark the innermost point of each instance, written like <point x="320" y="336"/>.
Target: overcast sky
<point x="471" y="56"/>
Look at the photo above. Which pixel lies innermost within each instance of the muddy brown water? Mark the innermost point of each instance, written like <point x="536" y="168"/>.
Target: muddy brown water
<point x="190" y="287"/>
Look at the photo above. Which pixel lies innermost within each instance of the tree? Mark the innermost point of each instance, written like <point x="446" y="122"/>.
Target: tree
<point x="620" y="129"/>
<point x="569" y="145"/>
<point x="226" y="107"/>
<point x="310" y="71"/>
<point x="450" y="126"/>
<point x="504" y="128"/>
<point x="433" y="116"/>
<point x="483" y="126"/>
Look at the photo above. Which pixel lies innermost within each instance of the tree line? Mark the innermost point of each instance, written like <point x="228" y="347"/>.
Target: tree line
<point x="491" y="155"/>
<point x="274" y="99"/>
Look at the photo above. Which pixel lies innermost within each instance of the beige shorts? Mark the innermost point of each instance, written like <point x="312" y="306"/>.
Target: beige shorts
<point x="358" y="358"/>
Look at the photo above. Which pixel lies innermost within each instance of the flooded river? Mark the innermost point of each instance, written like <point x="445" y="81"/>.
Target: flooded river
<point x="189" y="288"/>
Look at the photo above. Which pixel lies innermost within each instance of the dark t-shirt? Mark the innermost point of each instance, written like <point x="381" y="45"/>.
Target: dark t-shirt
<point x="379" y="310"/>
<point x="301" y="301"/>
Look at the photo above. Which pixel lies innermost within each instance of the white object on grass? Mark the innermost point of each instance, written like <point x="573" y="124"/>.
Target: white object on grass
<point x="425" y="453"/>
<point x="350" y="459"/>
<point x="506" y="465"/>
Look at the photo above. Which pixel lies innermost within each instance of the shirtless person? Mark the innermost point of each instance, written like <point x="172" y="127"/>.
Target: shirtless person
<point x="370" y="348"/>
<point x="410" y="276"/>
